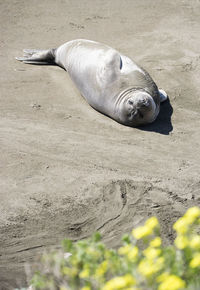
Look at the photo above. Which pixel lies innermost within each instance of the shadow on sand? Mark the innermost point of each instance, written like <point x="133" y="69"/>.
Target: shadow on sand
<point x="163" y="123"/>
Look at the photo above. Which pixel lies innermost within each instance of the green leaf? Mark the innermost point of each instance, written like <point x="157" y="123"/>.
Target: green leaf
<point x="67" y="245"/>
<point x="96" y="237"/>
<point x="126" y="239"/>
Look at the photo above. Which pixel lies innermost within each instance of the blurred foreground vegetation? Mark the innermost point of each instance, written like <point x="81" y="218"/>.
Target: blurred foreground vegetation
<point x="91" y="265"/>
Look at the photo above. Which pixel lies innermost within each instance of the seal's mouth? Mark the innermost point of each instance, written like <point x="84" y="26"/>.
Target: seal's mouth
<point x="135" y="116"/>
<point x="140" y="114"/>
<point x="136" y="113"/>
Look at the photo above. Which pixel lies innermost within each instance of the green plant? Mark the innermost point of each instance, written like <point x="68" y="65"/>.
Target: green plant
<point x="92" y="265"/>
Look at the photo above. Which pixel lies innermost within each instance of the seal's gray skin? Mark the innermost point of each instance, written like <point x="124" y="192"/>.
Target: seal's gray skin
<point x="110" y="82"/>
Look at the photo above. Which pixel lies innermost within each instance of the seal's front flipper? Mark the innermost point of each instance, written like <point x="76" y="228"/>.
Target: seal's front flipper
<point x="163" y="95"/>
<point x="109" y="70"/>
<point x="36" y="56"/>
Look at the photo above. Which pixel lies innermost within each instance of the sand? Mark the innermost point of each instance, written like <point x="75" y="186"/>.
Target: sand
<point x="67" y="170"/>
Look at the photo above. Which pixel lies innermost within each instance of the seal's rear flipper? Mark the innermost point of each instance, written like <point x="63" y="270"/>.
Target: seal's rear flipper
<point x="36" y="56"/>
<point x="163" y="95"/>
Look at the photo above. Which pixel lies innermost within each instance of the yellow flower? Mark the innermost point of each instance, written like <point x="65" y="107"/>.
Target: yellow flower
<point x="70" y="271"/>
<point x="160" y="262"/>
<point x="172" y="282"/>
<point x="101" y="270"/>
<point x="132" y="288"/>
<point x="133" y="253"/>
<point x="66" y="270"/>
<point x="130" y="251"/>
<point x="195" y="242"/>
<point x="156" y="242"/>
<point x="150" y="267"/>
<point x="86" y="288"/>
<point x="63" y="288"/>
<point x="181" y="225"/>
<point x="152" y="223"/>
<point x="108" y="254"/>
<point x="93" y="253"/>
<point x="181" y="242"/>
<point x="141" y="232"/>
<point x="119" y="282"/>
<point x="146" y="268"/>
<point x="195" y="262"/>
<point x="124" y="250"/>
<point x="151" y="253"/>
<point x="193" y="212"/>
<point x="162" y="277"/>
<point x="84" y="274"/>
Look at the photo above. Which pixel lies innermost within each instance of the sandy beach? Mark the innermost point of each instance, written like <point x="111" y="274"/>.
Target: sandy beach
<point x="66" y="170"/>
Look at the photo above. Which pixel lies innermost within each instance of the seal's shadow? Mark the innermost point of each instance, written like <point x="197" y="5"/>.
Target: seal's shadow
<point x="162" y="124"/>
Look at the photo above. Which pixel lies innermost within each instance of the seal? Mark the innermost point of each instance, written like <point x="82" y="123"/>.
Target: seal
<point x="111" y="82"/>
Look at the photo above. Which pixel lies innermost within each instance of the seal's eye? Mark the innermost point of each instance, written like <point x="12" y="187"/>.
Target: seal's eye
<point x="144" y="103"/>
<point x="130" y="102"/>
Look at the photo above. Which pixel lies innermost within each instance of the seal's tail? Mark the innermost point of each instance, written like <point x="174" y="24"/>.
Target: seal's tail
<point x="36" y="56"/>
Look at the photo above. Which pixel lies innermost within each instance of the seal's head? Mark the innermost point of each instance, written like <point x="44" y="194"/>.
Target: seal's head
<point x="137" y="108"/>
